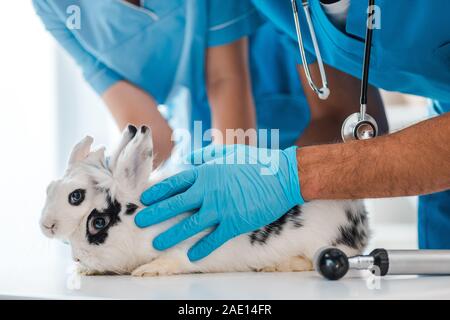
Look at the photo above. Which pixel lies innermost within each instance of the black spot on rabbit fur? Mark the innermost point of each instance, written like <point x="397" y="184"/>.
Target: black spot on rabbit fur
<point x="131" y="208"/>
<point x="112" y="212"/>
<point x="261" y="236"/>
<point x="353" y="234"/>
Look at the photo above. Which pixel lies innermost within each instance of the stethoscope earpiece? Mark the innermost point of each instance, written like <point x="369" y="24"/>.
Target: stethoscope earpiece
<point x="324" y="93"/>
<point x="355" y="128"/>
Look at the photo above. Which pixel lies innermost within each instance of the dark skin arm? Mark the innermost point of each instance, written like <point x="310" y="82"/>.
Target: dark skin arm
<point x="328" y="115"/>
<point x="412" y="161"/>
<point x="229" y="89"/>
<point x="135" y="2"/>
<point x="130" y="104"/>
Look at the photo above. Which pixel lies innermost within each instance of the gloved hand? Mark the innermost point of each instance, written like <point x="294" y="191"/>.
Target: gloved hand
<point x="238" y="189"/>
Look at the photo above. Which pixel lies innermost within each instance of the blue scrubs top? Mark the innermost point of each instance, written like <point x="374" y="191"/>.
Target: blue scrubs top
<point x="411" y="54"/>
<point x="160" y="47"/>
<point x="411" y="51"/>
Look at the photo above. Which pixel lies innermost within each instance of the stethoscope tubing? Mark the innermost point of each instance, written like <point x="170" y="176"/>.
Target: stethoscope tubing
<point x="323" y="92"/>
<point x="366" y="64"/>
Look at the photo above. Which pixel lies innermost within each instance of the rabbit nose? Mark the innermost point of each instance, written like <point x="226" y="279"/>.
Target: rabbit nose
<point x="50" y="227"/>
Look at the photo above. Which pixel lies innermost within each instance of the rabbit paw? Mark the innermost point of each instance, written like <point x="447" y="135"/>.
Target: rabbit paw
<point x="83" y="271"/>
<point x="159" y="267"/>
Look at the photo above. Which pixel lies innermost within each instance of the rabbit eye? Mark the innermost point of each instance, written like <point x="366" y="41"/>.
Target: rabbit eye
<point x="98" y="223"/>
<point x="77" y="197"/>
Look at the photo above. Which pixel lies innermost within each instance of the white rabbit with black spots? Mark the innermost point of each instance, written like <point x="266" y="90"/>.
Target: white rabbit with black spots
<point x="93" y="207"/>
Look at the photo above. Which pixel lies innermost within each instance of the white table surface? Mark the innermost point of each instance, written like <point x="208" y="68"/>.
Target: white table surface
<point x="306" y="285"/>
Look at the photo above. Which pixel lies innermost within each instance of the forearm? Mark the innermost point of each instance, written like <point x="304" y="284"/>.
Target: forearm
<point x="131" y="105"/>
<point x="231" y="111"/>
<point x="413" y="161"/>
<point x="229" y="89"/>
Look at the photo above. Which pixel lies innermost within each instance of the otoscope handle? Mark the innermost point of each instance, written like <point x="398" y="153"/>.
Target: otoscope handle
<point x="416" y="262"/>
<point x="333" y="263"/>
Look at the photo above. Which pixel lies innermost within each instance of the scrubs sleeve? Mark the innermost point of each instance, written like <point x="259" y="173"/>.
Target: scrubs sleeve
<point x="98" y="75"/>
<point x="439" y="107"/>
<point x="231" y="20"/>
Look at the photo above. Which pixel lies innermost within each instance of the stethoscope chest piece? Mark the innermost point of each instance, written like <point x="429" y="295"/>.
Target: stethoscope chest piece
<point x="356" y="128"/>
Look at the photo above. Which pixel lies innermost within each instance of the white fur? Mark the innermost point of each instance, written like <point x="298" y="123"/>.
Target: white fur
<point x="128" y="249"/>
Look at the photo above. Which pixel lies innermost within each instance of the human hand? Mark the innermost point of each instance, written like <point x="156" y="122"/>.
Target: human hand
<point x="237" y="189"/>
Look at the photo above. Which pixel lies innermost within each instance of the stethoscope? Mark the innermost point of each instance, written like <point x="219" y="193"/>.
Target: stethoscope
<point x="360" y="125"/>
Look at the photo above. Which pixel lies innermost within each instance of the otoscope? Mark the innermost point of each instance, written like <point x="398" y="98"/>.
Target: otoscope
<point x="333" y="263"/>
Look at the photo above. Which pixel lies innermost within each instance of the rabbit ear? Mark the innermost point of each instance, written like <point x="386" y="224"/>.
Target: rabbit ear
<point x="97" y="156"/>
<point x="135" y="162"/>
<point x="127" y="135"/>
<point x="81" y="150"/>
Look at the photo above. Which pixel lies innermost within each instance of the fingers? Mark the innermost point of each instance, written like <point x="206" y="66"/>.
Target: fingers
<point x="184" y="230"/>
<point x="209" y="153"/>
<point x="168" y="208"/>
<point x="169" y="187"/>
<point x="208" y="244"/>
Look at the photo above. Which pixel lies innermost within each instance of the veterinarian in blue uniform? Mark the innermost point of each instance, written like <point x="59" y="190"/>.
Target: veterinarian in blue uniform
<point x="160" y="48"/>
<point x="411" y="54"/>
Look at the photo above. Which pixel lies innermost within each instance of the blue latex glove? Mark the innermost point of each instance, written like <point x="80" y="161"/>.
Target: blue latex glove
<point x="237" y="189"/>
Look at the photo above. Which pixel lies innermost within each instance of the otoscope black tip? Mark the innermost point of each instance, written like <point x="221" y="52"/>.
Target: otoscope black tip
<point x="332" y="263"/>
